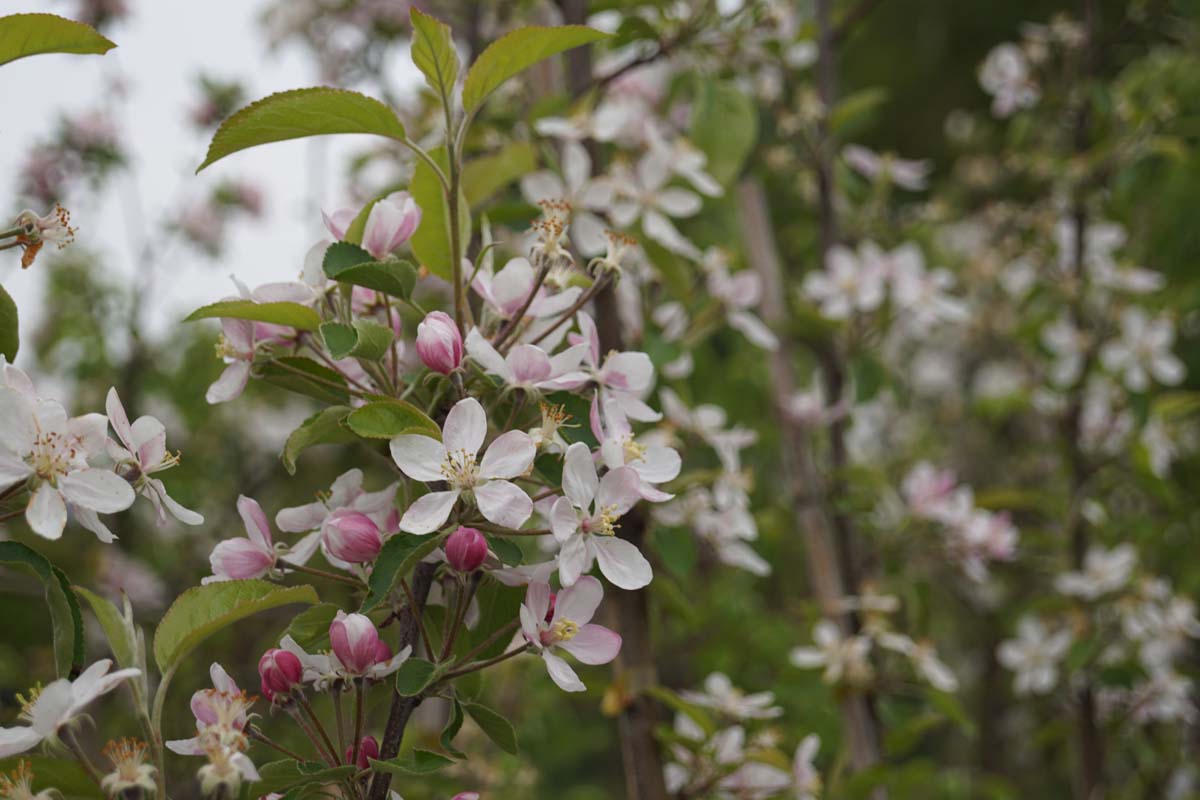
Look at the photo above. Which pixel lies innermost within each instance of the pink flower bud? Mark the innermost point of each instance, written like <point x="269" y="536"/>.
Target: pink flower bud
<point x="390" y="224"/>
<point x="351" y="536"/>
<point x="281" y="671"/>
<point x="439" y="344"/>
<point x="466" y="549"/>
<point x="368" y="749"/>
<point x="355" y="642"/>
<point x="238" y="559"/>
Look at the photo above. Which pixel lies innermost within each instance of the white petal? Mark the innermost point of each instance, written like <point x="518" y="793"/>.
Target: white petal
<point x="562" y="674"/>
<point x="620" y="488"/>
<point x="46" y="512"/>
<point x="579" y="475"/>
<point x="564" y="519"/>
<point x="679" y="202"/>
<point x="466" y="427"/>
<point x="503" y="503"/>
<point x="621" y="562"/>
<point x="231" y="383"/>
<point x="481" y="350"/>
<point x="17" y="430"/>
<point x="429" y="512"/>
<point x="17" y="740"/>
<point x="573" y="559"/>
<point x="579" y="602"/>
<point x="594" y="644"/>
<point x="510" y="455"/>
<point x="12" y="469"/>
<point x="419" y="457"/>
<point x="97" y="489"/>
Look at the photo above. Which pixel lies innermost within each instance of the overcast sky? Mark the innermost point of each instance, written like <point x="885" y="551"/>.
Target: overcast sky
<point x="161" y="49"/>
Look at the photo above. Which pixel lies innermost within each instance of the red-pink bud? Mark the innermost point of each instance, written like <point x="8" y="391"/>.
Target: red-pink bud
<point x="439" y="343"/>
<point x="466" y="549"/>
<point x="368" y="749"/>
<point x="281" y="671"/>
<point x="352" y="536"/>
<point x="356" y="642"/>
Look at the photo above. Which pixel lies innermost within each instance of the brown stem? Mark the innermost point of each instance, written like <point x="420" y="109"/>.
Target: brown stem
<point x="806" y="484"/>
<point x="402" y="707"/>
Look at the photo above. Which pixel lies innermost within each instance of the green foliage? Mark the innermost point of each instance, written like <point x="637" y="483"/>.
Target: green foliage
<point x="418" y="762"/>
<point x="324" y="427"/>
<point x="310" y="628"/>
<point x="387" y="419"/>
<point x="492" y="723"/>
<point x="400" y="555"/>
<point x="395" y="278"/>
<point x="65" y="617"/>
<point x="307" y="377"/>
<point x="515" y="52"/>
<point x="725" y="126"/>
<point x="10" y="334"/>
<point x="431" y="242"/>
<point x="361" y="339"/>
<point x="24" y="35"/>
<point x="201" y="611"/>
<point x="300" y="113"/>
<point x="486" y="175"/>
<point x="433" y="52"/>
<point x="66" y="777"/>
<point x="293" y="315"/>
<point x="414" y="676"/>
<point x="120" y="632"/>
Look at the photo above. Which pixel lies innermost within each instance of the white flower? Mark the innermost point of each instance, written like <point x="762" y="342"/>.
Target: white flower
<point x="1104" y="571"/>
<point x="58" y="704"/>
<point x="806" y="781"/>
<point x="1068" y="344"/>
<point x="686" y="160"/>
<point x="569" y="627"/>
<point x="1034" y="655"/>
<point x="842" y="657"/>
<point x="142" y="447"/>
<point x="529" y="367"/>
<point x="1143" y="351"/>
<point x="586" y="196"/>
<point x="1005" y="75"/>
<point x="643" y="194"/>
<point x="40" y="444"/>
<point x="923" y="294"/>
<point x="506" y="291"/>
<point x="455" y="460"/>
<point x="740" y="293"/>
<point x="905" y="173"/>
<point x="720" y="694"/>
<point x="847" y="285"/>
<point x="584" y="522"/>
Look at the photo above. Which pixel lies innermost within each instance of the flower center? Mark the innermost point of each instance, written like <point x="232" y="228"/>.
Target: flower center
<point x="18" y="784"/>
<point x="52" y="455"/>
<point x="563" y="631"/>
<point x="633" y="450"/>
<point x="604" y="523"/>
<point x="460" y="469"/>
<point x="127" y="757"/>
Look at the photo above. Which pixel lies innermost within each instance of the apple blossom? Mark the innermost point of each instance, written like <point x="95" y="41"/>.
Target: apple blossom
<point x="346" y="492"/>
<point x="529" y="367"/>
<point x="236" y="346"/>
<point x="359" y="650"/>
<point x="584" y="522"/>
<point x="624" y="379"/>
<point x="1143" y="351"/>
<point x="455" y="460"/>
<point x="390" y="223"/>
<point x="806" y="781"/>
<point x="586" y="195"/>
<point x="280" y="672"/>
<point x="844" y="658"/>
<point x="568" y="627"/>
<point x="142" y="448"/>
<point x="506" y="291"/>
<point x="643" y="194"/>
<point x="466" y="549"/>
<point x="439" y="344"/>
<point x="903" y="172"/>
<point x="131" y="774"/>
<point x="721" y="695"/>
<point x="251" y="557"/>
<point x="41" y="445"/>
<point x="221" y="713"/>
<point x="1104" y="571"/>
<point x="846" y="285"/>
<point x="59" y="704"/>
<point x="351" y="537"/>
<point x="1005" y="75"/>
<point x="1034" y="655"/>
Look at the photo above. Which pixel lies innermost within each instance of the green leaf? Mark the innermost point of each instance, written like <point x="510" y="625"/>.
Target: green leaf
<point x="517" y="51"/>
<point x="854" y="111"/>
<point x="414" y="676"/>
<point x="453" y="725"/>
<point x="24" y="35"/>
<point x="277" y="776"/>
<point x="307" y="377"/>
<point x="324" y="427"/>
<point x="431" y="241"/>
<point x="395" y="278"/>
<point x="66" y="620"/>
<point x="299" y="113"/>
<point x="10" y="332"/>
<point x="725" y="126"/>
<point x="201" y="611"/>
<point x="293" y="315"/>
<point x="66" y="776"/>
<point x="310" y="628"/>
<point x="493" y="723"/>
<point x="506" y="550"/>
<point x="486" y="175"/>
<point x="433" y="52"/>
<point x="676" y="703"/>
<point x="387" y="419"/>
<point x="340" y="256"/>
<point x="118" y="632"/>
<point x="400" y="555"/>
<point x="339" y="339"/>
<point x="364" y="339"/>
<point x="418" y="762"/>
